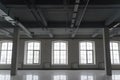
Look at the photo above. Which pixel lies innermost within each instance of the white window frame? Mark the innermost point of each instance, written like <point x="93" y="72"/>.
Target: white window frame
<point x="116" y="50"/>
<point x="52" y="59"/>
<point x="25" y="53"/>
<point x="93" y="54"/>
<point x="6" y="50"/>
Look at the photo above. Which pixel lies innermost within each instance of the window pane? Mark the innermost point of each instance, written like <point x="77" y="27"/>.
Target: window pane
<point x="89" y="46"/>
<point x="56" y="46"/>
<point x="116" y="57"/>
<point x="90" y="57"/>
<point x="9" y="56"/>
<point x="63" y="46"/>
<point x="83" y="46"/>
<point x="56" y="57"/>
<point x="36" y="56"/>
<point x="83" y="56"/>
<point x="111" y="46"/>
<point x="36" y="46"/>
<point x="30" y="46"/>
<point x="4" y="46"/>
<point x="30" y="57"/>
<point x="9" y="46"/>
<point x="3" y="57"/>
<point x="115" y="46"/>
<point x="63" y="57"/>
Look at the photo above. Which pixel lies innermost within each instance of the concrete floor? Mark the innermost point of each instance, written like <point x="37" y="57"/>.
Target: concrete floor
<point x="60" y="75"/>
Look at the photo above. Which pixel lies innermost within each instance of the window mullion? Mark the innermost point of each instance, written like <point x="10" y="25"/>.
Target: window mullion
<point x="53" y="54"/>
<point x="86" y="54"/>
<point x="119" y="51"/>
<point x="59" y="52"/>
<point x="33" y="54"/>
<point x="0" y="51"/>
<point x="59" y="56"/>
<point x="93" y="57"/>
<point x="7" y="53"/>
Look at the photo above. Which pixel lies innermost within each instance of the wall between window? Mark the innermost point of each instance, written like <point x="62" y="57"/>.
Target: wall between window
<point x="73" y="55"/>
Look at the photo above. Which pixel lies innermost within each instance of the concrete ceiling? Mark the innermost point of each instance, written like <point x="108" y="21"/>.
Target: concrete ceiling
<point x="58" y="16"/>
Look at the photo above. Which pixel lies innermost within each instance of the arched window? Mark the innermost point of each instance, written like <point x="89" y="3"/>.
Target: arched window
<point x="60" y="52"/>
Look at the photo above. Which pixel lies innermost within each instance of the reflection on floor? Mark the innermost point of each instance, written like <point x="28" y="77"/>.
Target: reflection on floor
<point x="60" y="75"/>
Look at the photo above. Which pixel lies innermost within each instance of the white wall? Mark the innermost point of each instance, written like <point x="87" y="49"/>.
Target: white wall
<point x="73" y="55"/>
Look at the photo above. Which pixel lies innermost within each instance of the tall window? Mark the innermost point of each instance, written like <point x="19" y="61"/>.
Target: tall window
<point x="32" y="52"/>
<point x="86" y="52"/>
<point x="5" y="52"/>
<point x="114" y="52"/>
<point x="60" y="52"/>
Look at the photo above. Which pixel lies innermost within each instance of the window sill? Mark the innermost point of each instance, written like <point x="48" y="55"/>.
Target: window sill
<point x="87" y="64"/>
<point x="59" y="64"/>
<point x="115" y="64"/>
<point x="5" y="64"/>
<point x="31" y="64"/>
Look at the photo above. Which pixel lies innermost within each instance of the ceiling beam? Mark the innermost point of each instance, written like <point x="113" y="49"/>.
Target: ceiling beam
<point x="96" y="33"/>
<point x="6" y="33"/>
<point x="78" y="22"/>
<point x="37" y="14"/>
<point x="42" y="17"/>
<point x="4" y="13"/>
<point x="75" y="12"/>
<point x="113" y="31"/>
<point x="112" y="19"/>
<point x="60" y="2"/>
<point x="70" y="7"/>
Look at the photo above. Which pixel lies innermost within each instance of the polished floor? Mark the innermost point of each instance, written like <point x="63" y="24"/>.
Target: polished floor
<point x="60" y="75"/>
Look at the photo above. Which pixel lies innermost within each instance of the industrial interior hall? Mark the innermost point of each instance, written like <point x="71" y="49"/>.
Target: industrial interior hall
<point x="59" y="39"/>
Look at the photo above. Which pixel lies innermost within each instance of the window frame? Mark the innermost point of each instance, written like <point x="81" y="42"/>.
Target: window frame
<point x="52" y="59"/>
<point x="6" y="50"/>
<point x="116" y="50"/>
<point x="93" y="52"/>
<point x="25" y="53"/>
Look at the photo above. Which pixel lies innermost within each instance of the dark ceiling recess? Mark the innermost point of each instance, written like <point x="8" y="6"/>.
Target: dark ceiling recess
<point x="60" y="2"/>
